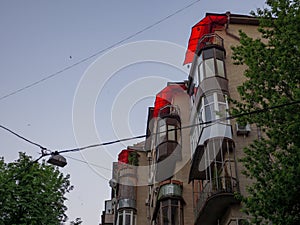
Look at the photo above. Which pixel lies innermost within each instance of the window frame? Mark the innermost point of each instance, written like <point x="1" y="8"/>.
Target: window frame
<point x="218" y="57"/>
<point x="167" y="207"/>
<point x="123" y="214"/>
<point x="214" y="103"/>
<point x="166" y="129"/>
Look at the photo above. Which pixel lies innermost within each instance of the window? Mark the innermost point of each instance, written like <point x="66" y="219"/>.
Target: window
<point x="168" y="138"/>
<point x="215" y="106"/>
<point x="170" y="212"/>
<point x="126" y="217"/>
<point x="172" y="133"/>
<point x="222" y="106"/>
<point x="168" y="132"/>
<point x="238" y="221"/>
<point x="209" y="108"/>
<point x="162" y="131"/>
<point x="208" y="53"/>
<point x="196" y="130"/>
<point x="210" y="64"/>
<point x="201" y="72"/>
<point x="220" y="68"/>
<point x="209" y="67"/>
<point x="120" y="219"/>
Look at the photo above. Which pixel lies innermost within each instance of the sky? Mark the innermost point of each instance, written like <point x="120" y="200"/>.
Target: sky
<point x="104" y="62"/>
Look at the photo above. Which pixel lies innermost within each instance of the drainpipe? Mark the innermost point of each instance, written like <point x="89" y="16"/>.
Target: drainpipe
<point x="226" y="28"/>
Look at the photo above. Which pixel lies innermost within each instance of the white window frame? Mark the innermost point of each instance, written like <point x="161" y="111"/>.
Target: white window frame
<point x="215" y="114"/>
<point x="123" y="215"/>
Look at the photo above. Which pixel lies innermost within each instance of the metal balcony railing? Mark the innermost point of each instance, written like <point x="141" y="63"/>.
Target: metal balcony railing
<point x="210" y="39"/>
<point x="215" y="188"/>
<point x="169" y="110"/>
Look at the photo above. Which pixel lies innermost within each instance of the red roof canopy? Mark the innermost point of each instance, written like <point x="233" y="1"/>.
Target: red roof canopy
<point x="123" y="156"/>
<point x="165" y="96"/>
<point x="207" y="25"/>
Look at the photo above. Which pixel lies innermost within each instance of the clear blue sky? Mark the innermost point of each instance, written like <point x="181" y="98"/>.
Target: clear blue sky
<point x="39" y="38"/>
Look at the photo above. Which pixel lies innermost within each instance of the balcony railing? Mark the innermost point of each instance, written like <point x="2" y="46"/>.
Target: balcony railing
<point x="210" y="39"/>
<point x="215" y="197"/>
<point x="169" y="110"/>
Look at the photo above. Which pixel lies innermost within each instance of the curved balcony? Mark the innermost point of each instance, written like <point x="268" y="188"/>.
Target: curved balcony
<point x="126" y="203"/>
<point x="126" y="170"/>
<point x="170" y="189"/>
<point x="209" y="40"/>
<point x="171" y="111"/>
<point x="207" y="155"/>
<point x="213" y="141"/>
<point x="168" y="142"/>
<point x="168" y="148"/>
<point x="214" y="200"/>
<point x="167" y="153"/>
<point x="127" y="175"/>
<point x="215" y="83"/>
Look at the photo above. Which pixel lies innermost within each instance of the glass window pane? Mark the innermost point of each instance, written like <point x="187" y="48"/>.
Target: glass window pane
<point x="221" y="98"/>
<point x="209" y="68"/>
<point x="177" y="137"/>
<point x="220" y="65"/>
<point x="164" y="203"/>
<point x="127" y="219"/>
<point x="209" y="113"/>
<point x="171" y="133"/>
<point x="222" y="110"/>
<point x="219" y="54"/>
<point x="196" y="78"/>
<point x="162" y="132"/>
<point x="120" y="219"/>
<point x="165" y="215"/>
<point x="209" y="53"/>
<point x="200" y="72"/>
<point x="134" y="219"/>
<point x="174" y="202"/>
<point x="208" y="99"/>
<point x="174" y="215"/>
<point x="200" y="58"/>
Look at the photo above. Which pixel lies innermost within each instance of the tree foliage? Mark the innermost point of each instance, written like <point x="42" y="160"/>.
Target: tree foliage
<point x="32" y="192"/>
<point x="77" y="221"/>
<point x="273" y="78"/>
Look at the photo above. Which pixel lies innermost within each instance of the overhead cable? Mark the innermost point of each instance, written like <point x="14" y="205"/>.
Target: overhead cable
<point x="23" y="138"/>
<point x="98" y="52"/>
<point x="89" y="163"/>
<point x="143" y="136"/>
<point x="184" y="127"/>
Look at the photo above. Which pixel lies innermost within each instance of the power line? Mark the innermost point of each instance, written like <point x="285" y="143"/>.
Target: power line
<point x="93" y="164"/>
<point x="184" y="127"/>
<point x="98" y="52"/>
<point x="143" y="136"/>
<point x="23" y="138"/>
<point x="102" y="144"/>
<point x="89" y="163"/>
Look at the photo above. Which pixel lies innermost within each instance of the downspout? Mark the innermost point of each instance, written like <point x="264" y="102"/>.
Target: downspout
<point x="226" y="28"/>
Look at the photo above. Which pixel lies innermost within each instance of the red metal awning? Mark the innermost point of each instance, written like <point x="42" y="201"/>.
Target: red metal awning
<point x="123" y="156"/>
<point x="207" y="25"/>
<point x="165" y="96"/>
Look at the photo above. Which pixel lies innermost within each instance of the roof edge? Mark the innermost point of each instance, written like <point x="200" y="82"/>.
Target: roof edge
<point x="238" y="18"/>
